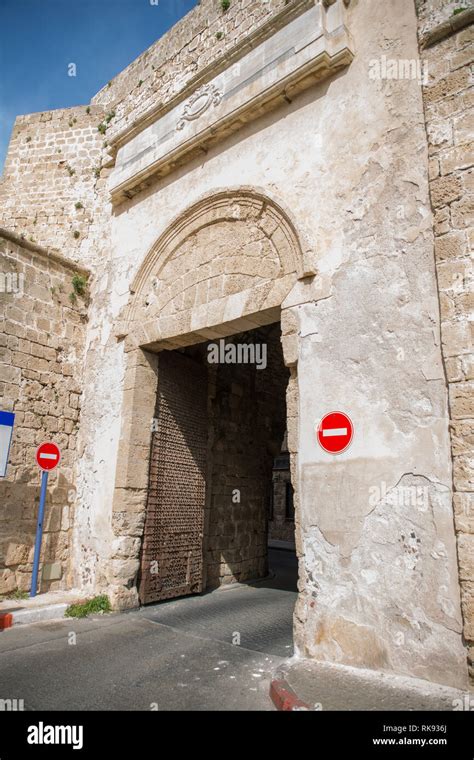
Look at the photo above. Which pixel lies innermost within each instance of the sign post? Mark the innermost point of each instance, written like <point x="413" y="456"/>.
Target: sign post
<point x="7" y="420"/>
<point x="48" y="457"/>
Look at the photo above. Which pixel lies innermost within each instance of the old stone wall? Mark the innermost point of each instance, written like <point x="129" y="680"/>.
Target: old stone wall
<point x="448" y="97"/>
<point x="53" y="186"/>
<point x="433" y="14"/>
<point x="42" y="338"/>
<point x="202" y="40"/>
<point x="51" y="190"/>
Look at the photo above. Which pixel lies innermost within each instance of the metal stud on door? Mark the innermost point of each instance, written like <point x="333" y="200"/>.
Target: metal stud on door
<point x="172" y="552"/>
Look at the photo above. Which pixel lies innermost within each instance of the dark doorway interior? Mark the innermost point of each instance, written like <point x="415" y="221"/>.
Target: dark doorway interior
<point x="220" y="505"/>
<point x="247" y="423"/>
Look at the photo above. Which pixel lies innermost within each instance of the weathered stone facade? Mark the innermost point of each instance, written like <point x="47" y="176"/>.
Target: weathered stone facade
<point x="264" y="175"/>
<point x="55" y="162"/>
<point x="447" y="48"/>
<point x="42" y="339"/>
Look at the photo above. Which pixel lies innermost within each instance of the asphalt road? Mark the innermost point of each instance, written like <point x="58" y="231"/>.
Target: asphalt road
<point x="211" y="652"/>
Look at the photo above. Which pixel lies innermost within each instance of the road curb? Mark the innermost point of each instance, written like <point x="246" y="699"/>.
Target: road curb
<point x="39" y="614"/>
<point x="284" y="698"/>
<point x="25" y="616"/>
<point x="304" y="684"/>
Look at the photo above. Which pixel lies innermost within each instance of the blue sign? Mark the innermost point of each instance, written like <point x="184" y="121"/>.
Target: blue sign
<point x="6" y="429"/>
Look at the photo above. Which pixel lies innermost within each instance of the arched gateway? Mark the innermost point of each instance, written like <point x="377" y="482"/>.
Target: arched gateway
<point x="266" y="96"/>
<point x="231" y="255"/>
<point x="223" y="267"/>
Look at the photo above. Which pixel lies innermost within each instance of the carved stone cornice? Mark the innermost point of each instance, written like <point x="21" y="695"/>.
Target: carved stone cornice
<point x="310" y="48"/>
<point x="198" y="103"/>
<point x="205" y="74"/>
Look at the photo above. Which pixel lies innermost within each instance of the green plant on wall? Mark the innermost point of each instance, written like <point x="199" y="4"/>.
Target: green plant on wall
<point x="79" y="288"/>
<point x="102" y="127"/>
<point x="79" y="283"/>
<point x="225" y="5"/>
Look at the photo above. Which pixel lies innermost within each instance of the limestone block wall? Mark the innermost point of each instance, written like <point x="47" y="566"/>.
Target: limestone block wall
<point x="438" y="14"/>
<point x="51" y="190"/>
<point x="204" y="37"/>
<point x="42" y="338"/>
<point x="448" y="97"/>
<point x="53" y="195"/>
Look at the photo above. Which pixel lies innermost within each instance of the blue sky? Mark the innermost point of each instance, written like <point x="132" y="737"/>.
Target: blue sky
<point x="39" y="38"/>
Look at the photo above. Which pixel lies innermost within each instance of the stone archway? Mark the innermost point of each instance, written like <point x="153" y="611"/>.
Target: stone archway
<point x="231" y="255"/>
<point x="224" y="266"/>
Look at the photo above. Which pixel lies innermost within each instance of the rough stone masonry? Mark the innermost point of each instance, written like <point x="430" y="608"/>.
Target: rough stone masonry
<point x="249" y="169"/>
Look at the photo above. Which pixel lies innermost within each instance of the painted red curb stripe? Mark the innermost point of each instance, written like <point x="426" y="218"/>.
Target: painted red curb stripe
<point x="284" y="698"/>
<point x="6" y="620"/>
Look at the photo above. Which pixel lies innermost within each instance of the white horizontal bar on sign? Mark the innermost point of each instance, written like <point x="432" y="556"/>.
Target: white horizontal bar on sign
<point x="48" y="456"/>
<point x="331" y="432"/>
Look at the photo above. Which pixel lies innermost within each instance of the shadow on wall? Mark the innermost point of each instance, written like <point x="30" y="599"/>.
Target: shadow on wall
<point x="247" y="425"/>
<point x="19" y="503"/>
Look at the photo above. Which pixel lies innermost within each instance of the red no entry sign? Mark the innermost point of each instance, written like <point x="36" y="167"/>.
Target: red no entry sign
<point x="335" y="432"/>
<point x="48" y="456"/>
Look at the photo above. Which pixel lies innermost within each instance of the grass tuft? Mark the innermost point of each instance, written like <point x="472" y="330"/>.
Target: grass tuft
<point x="15" y="595"/>
<point x="97" y="605"/>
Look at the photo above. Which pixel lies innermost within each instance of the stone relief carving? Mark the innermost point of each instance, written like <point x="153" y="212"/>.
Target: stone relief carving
<point x="199" y="102"/>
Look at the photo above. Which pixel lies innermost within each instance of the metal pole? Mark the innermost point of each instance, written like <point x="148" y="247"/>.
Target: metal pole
<point x="39" y="534"/>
